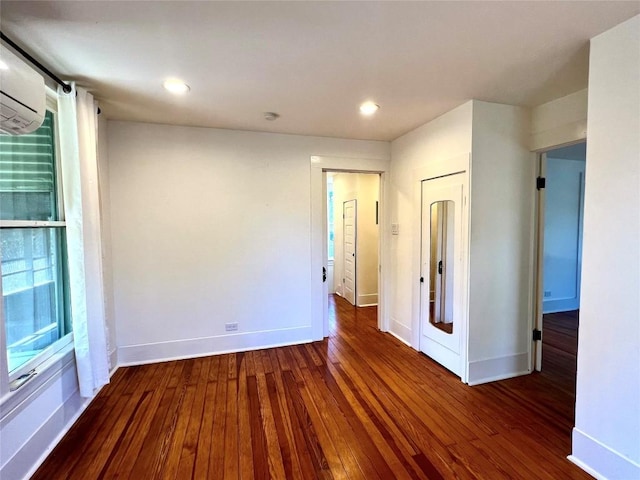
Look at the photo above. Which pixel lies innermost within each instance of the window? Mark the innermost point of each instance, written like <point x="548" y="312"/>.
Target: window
<point x="330" y="224"/>
<point x="32" y="248"/>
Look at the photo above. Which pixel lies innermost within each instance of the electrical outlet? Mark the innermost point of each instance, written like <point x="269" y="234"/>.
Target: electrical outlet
<point x="231" y="327"/>
<point x="547" y="293"/>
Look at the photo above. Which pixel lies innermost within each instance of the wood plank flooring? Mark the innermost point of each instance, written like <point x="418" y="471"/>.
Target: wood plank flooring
<point x="560" y="348"/>
<point x="359" y="405"/>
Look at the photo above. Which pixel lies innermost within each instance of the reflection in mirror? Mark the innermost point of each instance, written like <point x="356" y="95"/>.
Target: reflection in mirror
<point x="441" y="266"/>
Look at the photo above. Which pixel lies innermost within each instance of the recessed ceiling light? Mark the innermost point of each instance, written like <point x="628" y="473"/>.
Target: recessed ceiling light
<point x="369" y="108"/>
<point x="176" y="86"/>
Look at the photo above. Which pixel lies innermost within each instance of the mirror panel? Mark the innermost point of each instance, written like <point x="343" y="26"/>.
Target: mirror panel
<point x="441" y="265"/>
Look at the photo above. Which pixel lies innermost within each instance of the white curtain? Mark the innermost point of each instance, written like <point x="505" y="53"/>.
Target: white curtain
<point x="77" y="122"/>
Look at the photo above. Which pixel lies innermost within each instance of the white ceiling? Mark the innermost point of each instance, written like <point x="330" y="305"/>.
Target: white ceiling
<point x="313" y="62"/>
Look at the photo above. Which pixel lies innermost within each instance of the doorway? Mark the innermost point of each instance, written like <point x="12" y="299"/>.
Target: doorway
<point x="319" y="305"/>
<point x="353" y="236"/>
<point x="559" y="264"/>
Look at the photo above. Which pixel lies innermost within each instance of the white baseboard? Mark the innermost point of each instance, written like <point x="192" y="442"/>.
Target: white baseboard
<point x="200" y="347"/>
<point x="113" y="360"/>
<point x="399" y="338"/>
<point x="599" y="460"/>
<point x="367" y="300"/>
<point x="400" y="331"/>
<point x="560" y="305"/>
<point x="499" y="368"/>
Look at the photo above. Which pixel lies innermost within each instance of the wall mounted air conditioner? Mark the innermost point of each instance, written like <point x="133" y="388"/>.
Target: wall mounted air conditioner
<point x="22" y="95"/>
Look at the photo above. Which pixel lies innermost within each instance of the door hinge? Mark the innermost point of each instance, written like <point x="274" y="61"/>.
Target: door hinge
<point x="421" y="279"/>
<point x="541" y="183"/>
<point x="537" y="335"/>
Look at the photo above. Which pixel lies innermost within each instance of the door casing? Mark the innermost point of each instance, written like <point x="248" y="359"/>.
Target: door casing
<point x="319" y="291"/>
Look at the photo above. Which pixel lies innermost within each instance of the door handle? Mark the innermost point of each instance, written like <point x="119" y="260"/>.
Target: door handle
<point x="440" y="267"/>
<point x="324" y="274"/>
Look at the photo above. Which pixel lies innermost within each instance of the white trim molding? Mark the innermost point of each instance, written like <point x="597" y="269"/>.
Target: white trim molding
<point x="319" y="165"/>
<point x="498" y="368"/>
<point x="215" y="345"/>
<point x="367" y="299"/>
<point x="599" y="460"/>
<point x="401" y="332"/>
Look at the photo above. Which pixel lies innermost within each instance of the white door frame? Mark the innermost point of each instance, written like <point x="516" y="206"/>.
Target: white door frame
<point x="536" y="348"/>
<point x="538" y="249"/>
<point x="319" y="291"/>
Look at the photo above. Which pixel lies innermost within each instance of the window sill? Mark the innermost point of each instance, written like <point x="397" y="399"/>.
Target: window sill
<point x="12" y="403"/>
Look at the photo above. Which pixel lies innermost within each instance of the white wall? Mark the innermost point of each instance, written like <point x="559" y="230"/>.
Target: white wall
<point x="500" y="259"/>
<point x="331" y="286"/>
<point x="558" y="122"/>
<point x="344" y="189"/>
<point x="367" y="240"/>
<point x="502" y="195"/>
<point x="208" y="227"/>
<point x="365" y="189"/>
<point x="105" y="212"/>
<point x="564" y="196"/>
<point x="606" y="438"/>
<point x="444" y="138"/>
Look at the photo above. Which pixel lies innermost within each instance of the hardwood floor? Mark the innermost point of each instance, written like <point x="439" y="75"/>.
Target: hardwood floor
<point x="358" y="405"/>
<point x="560" y="348"/>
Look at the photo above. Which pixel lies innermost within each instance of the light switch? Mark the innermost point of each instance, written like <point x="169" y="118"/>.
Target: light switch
<point x="395" y="229"/>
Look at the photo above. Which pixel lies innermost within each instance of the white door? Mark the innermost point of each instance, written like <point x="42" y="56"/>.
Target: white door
<point x="349" y="235"/>
<point x="441" y="297"/>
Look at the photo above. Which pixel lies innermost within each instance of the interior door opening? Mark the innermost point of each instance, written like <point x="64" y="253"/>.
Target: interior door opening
<point x="559" y="259"/>
<point x="323" y="167"/>
<point x="353" y="236"/>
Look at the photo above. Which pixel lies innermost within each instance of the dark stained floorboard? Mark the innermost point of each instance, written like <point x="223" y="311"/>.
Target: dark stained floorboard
<point x="358" y="405"/>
